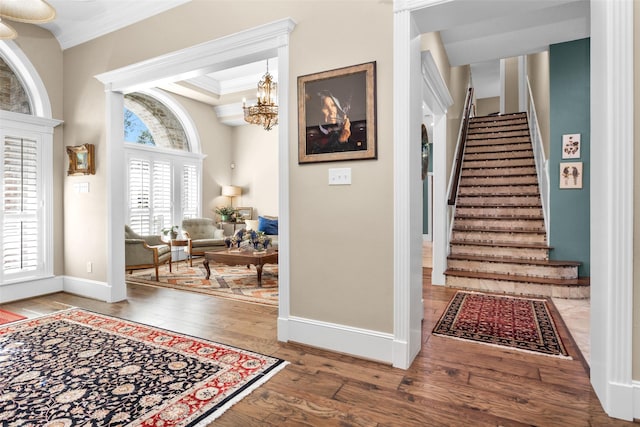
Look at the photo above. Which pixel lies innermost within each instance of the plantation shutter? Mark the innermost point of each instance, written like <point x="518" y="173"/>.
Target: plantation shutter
<point x="21" y="251"/>
<point x="190" y="192"/>
<point x="140" y="196"/>
<point x="162" y="196"/>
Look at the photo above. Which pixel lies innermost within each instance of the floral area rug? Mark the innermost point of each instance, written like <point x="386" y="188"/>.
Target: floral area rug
<point x="237" y="282"/>
<point x="75" y="367"/>
<point x="8" y="316"/>
<point x="519" y="323"/>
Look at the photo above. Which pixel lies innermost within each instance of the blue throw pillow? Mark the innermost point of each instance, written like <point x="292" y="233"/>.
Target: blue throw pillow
<point x="268" y="226"/>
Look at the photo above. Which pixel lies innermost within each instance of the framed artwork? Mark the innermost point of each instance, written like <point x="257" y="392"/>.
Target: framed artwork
<point x="571" y="146"/>
<point x="81" y="160"/>
<point x="244" y="213"/>
<point x="570" y="175"/>
<point x="337" y="115"/>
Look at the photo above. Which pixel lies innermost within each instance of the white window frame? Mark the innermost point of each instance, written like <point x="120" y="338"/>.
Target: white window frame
<point x="177" y="159"/>
<point x="41" y="130"/>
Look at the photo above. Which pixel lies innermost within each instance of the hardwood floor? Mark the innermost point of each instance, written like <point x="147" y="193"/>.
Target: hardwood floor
<point x="451" y="383"/>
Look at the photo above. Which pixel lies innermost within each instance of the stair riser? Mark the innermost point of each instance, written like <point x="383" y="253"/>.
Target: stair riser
<point x="495" y="135"/>
<point x="501" y="155"/>
<point x="498" y="129"/>
<point x="500" y="190"/>
<point x="497" y="118"/>
<point x="499" y="148"/>
<point x="502" y="173"/>
<point x="497" y="142"/>
<point x="509" y="163"/>
<point x="496" y="236"/>
<point x="497" y="251"/>
<point x="518" y="288"/>
<point x="556" y="272"/>
<point x="527" y="224"/>
<point x="500" y="211"/>
<point x="500" y="200"/>
<point x="474" y="124"/>
<point x="497" y="181"/>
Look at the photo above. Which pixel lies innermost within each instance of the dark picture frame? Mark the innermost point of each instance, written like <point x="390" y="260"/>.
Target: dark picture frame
<point x="81" y="160"/>
<point x="337" y="115"/>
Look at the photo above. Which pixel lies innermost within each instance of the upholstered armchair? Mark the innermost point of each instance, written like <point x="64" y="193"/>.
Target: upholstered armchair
<point x="144" y="251"/>
<point x="202" y="236"/>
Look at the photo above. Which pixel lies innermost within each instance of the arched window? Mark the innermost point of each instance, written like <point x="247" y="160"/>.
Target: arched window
<point x="163" y="174"/>
<point x="26" y="170"/>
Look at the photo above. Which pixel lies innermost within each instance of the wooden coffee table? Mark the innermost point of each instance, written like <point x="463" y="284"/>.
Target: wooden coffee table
<point x="242" y="258"/>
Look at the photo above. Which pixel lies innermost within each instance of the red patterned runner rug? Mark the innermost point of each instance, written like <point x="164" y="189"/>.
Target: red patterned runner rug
<point x="8" y="316"/>
<point x="515" y="322"/>
<point x="76" y="367"/>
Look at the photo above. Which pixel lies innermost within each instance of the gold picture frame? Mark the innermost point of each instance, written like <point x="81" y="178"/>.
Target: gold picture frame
<point x="337" y="115"/>
<point x="244" y="213"/>
<point x="81" y="160"/>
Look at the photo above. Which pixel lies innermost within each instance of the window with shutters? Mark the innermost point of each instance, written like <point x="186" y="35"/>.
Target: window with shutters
<point x="22" y="219"/>
<point x="164" y="177"/>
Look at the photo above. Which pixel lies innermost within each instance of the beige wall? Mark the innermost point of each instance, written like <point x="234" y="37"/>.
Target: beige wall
<point x="349" y="228"/>
<point x="538" y="72"/>
<point x="511" y="86"/>
<point x="486" y="106"/>
<point x="433" y="42"/>
<point x="636" y="192"/>
<point x="255" y="155"/>
<point x="45" y="54"/>
<point x="458" y="85"/>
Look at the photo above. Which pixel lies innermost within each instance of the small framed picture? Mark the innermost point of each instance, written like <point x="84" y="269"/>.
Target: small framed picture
<point x="571" y="146"/>
<point x="81" y="160"/>
<point x="243" y="213"/>
<point x="570" y="175"/>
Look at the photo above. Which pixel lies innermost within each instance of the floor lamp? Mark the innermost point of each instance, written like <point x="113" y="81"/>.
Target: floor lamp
<point x="231" y="191"/>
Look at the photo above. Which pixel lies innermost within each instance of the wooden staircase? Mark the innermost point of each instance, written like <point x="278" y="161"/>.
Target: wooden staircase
<point x="499" y="242"/>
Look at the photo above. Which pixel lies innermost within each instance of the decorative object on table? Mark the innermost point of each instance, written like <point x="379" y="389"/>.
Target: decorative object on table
<point x="171" y="231"/>
<point x="81" y="160"/>
<point x="227" y="213"/>
<point x="337" y="115"/>
<point x="265" y="112"/>
<point x="257" y="240"/>
<point x="137" y="375"/>
<point x="571" y="175"/>
<point x="9" y="316"/>
<point x="514" y="322"/>
<point x="243" y="214"/>
<point x="231" y="282"/>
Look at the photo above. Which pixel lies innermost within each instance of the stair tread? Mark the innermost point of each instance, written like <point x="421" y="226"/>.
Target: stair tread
<point x="580" y="281"/>
<point x="481" y="216"/>
<point x="499" y="205"/>
<point x="523" y="245"/>
<point x="500" y="230"/>
<point x="513" y="260"/>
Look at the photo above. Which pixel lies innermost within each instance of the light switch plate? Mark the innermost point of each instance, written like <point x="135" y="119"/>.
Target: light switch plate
<point x="340" y="176"/>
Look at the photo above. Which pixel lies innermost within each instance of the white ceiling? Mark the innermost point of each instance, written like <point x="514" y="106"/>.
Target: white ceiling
<point x="475" y="32"/>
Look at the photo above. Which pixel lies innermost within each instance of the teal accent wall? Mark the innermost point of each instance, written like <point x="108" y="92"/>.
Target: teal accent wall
<point x="569" y="76"/>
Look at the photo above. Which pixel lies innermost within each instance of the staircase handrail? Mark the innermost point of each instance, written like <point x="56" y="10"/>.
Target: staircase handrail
<point x="462" y="139"/>
<point x="542" y="169"/>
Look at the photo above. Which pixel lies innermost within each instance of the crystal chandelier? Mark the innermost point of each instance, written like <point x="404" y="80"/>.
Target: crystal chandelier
<point x="265" y="112"/>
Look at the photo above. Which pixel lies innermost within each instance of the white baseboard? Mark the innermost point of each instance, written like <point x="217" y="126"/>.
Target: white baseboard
<point x="358" y="342"/>
<point x="636" y="400"/>
<point x="87" y="288"/>
<point x="29" y="289"/>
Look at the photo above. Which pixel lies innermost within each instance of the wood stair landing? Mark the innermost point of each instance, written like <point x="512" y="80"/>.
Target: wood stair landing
<point x="499" y="242"/>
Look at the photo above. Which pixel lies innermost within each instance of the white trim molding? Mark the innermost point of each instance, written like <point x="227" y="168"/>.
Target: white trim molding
<point x="612" y="143"/>
<point x="372" y="345"/>
<point x="29" y="289"/>
<point x="86" y="288"/>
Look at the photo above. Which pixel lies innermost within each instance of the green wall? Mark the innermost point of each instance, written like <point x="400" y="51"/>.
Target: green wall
<point x="569" y="114"/>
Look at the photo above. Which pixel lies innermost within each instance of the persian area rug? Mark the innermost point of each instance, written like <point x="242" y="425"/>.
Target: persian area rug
<point x="514" y="322"/>
<point x="75" y="367"/>
<point x="8" y="316"/>
<point x="237" y="282"/>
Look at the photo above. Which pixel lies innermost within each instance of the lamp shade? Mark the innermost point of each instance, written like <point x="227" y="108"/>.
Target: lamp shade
<point x="231" y="190"/>
<point x="29" y="11"/>
<point x="7" y="31"/>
